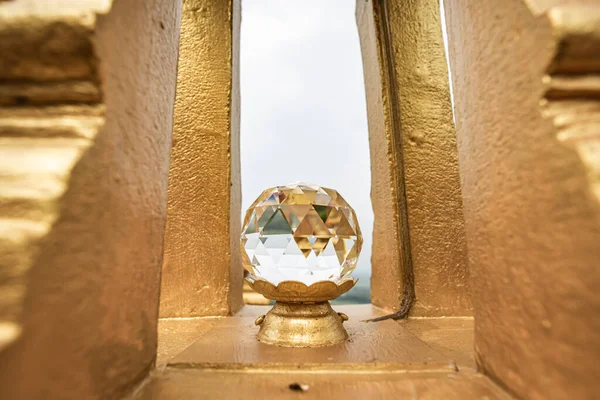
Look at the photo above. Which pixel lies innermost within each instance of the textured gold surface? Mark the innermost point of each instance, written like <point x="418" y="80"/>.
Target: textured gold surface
<point x="202" y="273"/>
<point x="418" y="132"/>
<point x="38" y="147"/>
<point x="376" y="343"/>
<point x="294" y="291"/>
<point x="86" y="93"/>
<point x="572" y="98"/>
<point x="176" y="334"/>
<point x="531" y="211"/>
<point x="390" y="259"/>
<point x="451" y="336"/>
<point x="361" y="310"/>
<point x="435" y="212"/>
<point x="302" y="325"/>
<point x="302" y="315"/>
<point x="373" y="347"/>
<point x="409" y="358"/>
<point x="238" y="385"/>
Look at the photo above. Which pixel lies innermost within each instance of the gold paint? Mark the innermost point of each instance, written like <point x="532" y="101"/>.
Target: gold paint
<point x="259" y="320"/>
<point x="573" y="86"/>
<point x="29" y="58"/>
<point x="302" y="325"/>
<point x="39" y="147"/>
<point x="326" y="385"/>
<point x="386" y="346"/>
<point x="451" y="336"/>
<point x="294" y="291"/>
<point x="9" y="332"/>
<point x="302" y="315"/>
<point x="202" y="273"/>
<point x="86" y="91"/>
<point x="361" y="310"/>
<point x="433" y="195"/>
<point x="390" y="260"/>
<point x="356" y="369"/>
<point x="527" y="122"/>
<point x="176" y="334"/>
<point x="418" y="131"/>
<point x="77" y="91"/>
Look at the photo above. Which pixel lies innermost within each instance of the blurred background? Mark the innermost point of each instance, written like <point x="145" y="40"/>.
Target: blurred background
<point x="303" y="107"/>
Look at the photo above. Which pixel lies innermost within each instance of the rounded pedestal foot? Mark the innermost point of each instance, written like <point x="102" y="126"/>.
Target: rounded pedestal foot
<point x="302" y="325"/>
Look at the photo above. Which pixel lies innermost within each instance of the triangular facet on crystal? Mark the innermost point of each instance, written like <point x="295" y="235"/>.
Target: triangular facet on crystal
<point x="333" y="218"/>
<point x="323" y="211"/>
<point x="340" y="201"/>
<point x="352" y="246"/>
<point x="292" y="249"/>
<point x="340" y="250"/>
<point x="297" y="196"/>
<point x="343" y="227"/>
<point x="320" y="244"/>
<point x="329" y="249"/>
<point x="322" y="198"/>
<point x="294" y="214"/>
<point x="309" y="194"/>
<point x="276" y="245"/>
<point x="277" y="225"/>
<point x="252" y="226"/>
<point x="272" y="200"/>
<point x="264" y="214"/>
<point x="313" y="225"/>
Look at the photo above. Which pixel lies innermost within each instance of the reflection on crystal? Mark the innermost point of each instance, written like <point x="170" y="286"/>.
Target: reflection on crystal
<point x="300" y="232"/>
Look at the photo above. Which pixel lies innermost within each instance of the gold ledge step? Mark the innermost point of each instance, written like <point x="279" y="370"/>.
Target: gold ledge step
<point x="231" y="385"/>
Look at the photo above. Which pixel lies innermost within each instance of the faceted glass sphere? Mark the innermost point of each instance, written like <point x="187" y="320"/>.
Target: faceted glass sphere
<point x="300" y="232"/>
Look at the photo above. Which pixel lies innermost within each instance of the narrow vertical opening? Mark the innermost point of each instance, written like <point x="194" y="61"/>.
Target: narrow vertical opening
<point x="447" y="51"/>
<point x="303" y="107"/>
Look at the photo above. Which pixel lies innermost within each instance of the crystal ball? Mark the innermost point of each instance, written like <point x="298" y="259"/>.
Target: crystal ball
<point x="300" y="232"/>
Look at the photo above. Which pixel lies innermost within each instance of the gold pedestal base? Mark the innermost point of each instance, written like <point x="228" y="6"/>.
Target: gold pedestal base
<point x="302" y="325"/>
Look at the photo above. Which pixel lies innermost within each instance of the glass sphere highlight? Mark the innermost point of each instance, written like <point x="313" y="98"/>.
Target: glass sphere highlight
<point x="300" y="232"/>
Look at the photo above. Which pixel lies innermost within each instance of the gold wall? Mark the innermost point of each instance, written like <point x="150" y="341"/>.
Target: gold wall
<point x="202" y="270"/>
<point x="419" y="243"/>
<point x="86" y="100"/>
<point x="391" y="269"/>
<point x="526" y="101"/>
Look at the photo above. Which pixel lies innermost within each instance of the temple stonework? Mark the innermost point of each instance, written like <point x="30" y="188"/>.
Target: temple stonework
<point x="121" y="277"/>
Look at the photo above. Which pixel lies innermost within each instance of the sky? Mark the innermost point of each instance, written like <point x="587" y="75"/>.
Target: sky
<point x="303" y="111"/>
